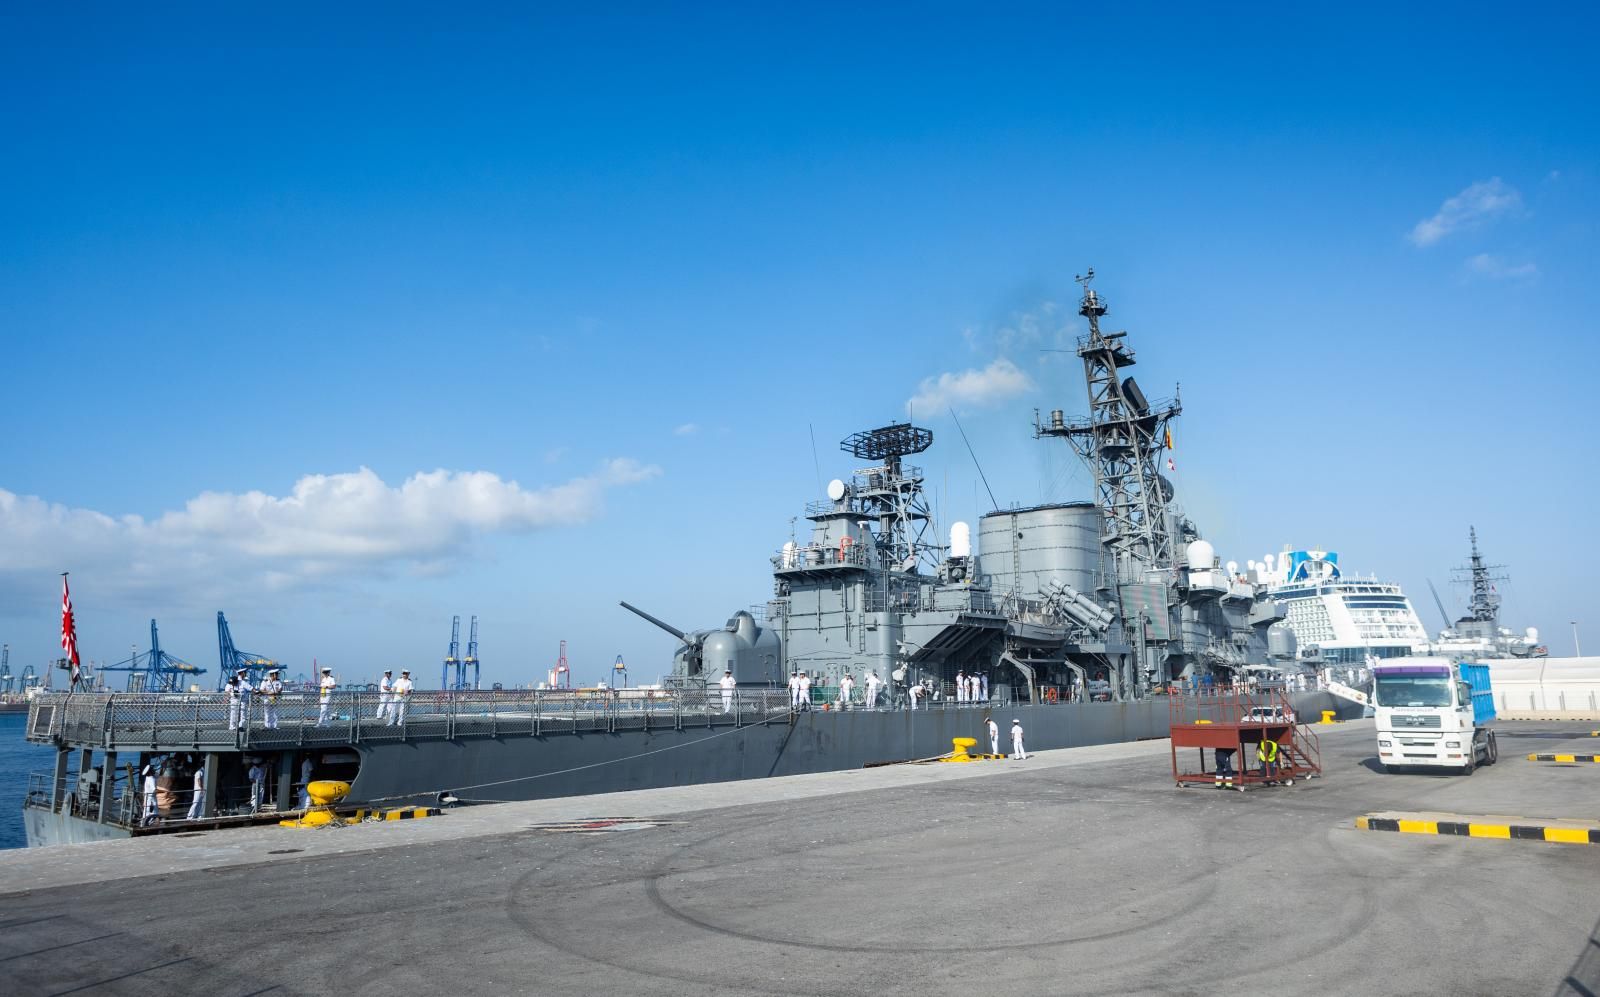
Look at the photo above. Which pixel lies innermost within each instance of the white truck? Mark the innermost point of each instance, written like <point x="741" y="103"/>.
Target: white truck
<point x="1433" y="713"/>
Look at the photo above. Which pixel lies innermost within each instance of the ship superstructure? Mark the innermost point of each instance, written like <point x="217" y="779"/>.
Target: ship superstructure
<point x="1111" y="597"/>
<point x="1477" y="634"/>
<point x="1339" y="620"/>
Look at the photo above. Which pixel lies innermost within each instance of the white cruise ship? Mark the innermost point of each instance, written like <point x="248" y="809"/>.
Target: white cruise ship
<point x="1339" y="620"/>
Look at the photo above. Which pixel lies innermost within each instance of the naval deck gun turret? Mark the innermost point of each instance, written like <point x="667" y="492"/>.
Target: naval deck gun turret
<point x="752" y="652"/>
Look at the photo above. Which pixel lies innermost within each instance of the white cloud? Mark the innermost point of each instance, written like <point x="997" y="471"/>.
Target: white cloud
<point x="328" y="525"/>
<point x="995" y="383"/>
<point x="1498" y="268"/>
<point x="1479" y="203"/>
<point x="554" y="455"/>
<point x="687" y="429"/>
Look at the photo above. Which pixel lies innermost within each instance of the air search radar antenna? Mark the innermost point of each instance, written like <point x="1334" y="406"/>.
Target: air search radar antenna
<point x="890" y="492"/>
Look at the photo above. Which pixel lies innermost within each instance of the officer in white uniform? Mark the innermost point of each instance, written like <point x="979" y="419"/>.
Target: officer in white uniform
<point x="847" y="688"/>
<point x="805" y="690"/>
<point x="727" y="685"/>
<point x="874" y="683"/>
<point x="794" y="690"/>
<point x="235" y="704"/>
<point x="258" y="783"/>
<point x="385" y="697"/>
<point x="271" y="689"/>
<point x="961" y="687"/>
<point x="1017" y="750"/>
<point x="245" y="689"/>
<point x="199" y="793"/>
<point x="326" y="698"/>
<point x="915" y="693"/>
<point x="402" y="695"/>
<point x="994" y="737"/>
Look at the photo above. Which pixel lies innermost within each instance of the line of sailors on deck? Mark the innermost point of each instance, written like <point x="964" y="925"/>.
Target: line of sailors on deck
<point x="393" y="695"/>
<point x="973" y="688"/>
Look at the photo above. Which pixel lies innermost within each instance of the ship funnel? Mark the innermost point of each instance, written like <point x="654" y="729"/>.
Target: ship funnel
<point x="961" y="539"/>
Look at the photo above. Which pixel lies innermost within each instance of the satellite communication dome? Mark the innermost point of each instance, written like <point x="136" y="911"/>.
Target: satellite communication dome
<point x="960" y="540"/>
<point x="1533" y="634"/>
<point x="836" y="489"/>
<point x="1233" y="567"/>
<point x="1201" y="556"/>
<point x="1251" y="564"/>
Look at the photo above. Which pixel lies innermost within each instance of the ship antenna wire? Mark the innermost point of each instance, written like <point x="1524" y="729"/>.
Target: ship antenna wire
<point x="974" y="457"/>
<point x="815" y="463"/>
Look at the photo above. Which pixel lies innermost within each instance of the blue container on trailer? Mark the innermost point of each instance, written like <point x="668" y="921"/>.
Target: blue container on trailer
<point x="1476" y="675"/>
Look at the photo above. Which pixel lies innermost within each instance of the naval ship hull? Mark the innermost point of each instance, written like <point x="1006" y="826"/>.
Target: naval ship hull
<point x="529" y="768"/>
<point x="404" y="770"/>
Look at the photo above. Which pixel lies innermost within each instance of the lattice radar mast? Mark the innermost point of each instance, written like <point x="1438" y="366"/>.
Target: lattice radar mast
<point x="1122" y="441"/>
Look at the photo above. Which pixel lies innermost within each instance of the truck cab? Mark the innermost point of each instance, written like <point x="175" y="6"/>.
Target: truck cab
<point x="1430" y="714"/>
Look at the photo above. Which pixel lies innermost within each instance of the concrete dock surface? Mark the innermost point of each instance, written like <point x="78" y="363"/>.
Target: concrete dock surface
<point x="1081" y="871"/>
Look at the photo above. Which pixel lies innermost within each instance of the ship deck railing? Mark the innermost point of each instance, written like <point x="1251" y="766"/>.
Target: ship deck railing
<point x="201" y="721"/>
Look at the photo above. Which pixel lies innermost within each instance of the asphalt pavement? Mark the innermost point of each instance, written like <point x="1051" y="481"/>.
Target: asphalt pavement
<point x="1081" y="871"/>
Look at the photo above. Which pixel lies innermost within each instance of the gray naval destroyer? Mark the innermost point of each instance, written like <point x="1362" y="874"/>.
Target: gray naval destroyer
<point x="1078" y="616"/>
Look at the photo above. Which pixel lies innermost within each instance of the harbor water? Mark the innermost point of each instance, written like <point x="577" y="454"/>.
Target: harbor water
<point x="17" y="759"/>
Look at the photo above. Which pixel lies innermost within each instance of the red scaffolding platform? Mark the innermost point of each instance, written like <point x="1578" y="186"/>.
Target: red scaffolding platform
<point x="1240" y="722"/>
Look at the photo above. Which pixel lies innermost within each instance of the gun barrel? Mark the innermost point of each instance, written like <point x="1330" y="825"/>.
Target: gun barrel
<point x="674" y="631"/>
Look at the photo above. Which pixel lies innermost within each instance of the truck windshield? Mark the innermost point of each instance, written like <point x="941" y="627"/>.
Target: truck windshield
<point x="1413" y="690"/>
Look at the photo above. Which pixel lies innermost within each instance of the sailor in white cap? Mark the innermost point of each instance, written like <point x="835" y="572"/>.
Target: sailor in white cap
<point x="805" y="690"/>
<point x="385" y="693"/>
<point x="271" y="689"/>
<point x="401" y="690"/>
<point x="794" y="690"/>
<point x="847" y="688"/>
<point x="325" y="701"/>
<point x="1017" y="750"/>
<point x="874" y="683"/>
<point x="235" y="704"/>
<point x="961" y="686"/>
<point x="727" y="683"/>
<point x="994" y="736"/>
<point x="245" y="689"/>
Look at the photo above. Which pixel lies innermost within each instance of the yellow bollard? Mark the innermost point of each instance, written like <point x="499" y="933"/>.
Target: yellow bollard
<point x="324" y="794"/>
<point x="958" y="749"/>
<point x="1328" y="715"/>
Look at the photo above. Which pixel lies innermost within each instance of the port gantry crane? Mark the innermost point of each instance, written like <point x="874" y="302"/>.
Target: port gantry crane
<point x="155" y="670"/>
<point x="230" y="660"/>
<point x="455" y="666"/>
<point x="6" y="678"/>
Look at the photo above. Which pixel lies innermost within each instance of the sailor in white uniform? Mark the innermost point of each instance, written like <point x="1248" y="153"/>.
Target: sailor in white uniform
<point x="325" y="700"/>
<point x="847" y="687"/>
<point x="271" y="689"/>
<point x="994" y="737"/>
<point x="874" y="683"/>
<point x="235" y="702"/>
<point x="1017" y="750"/>
<point x="150" y="814"/>
<point x="727" y="683"/>
<point x="385" y="695"/>
<point x="794" y="690"/>
<point x="961" y="686"/>
<point x="402" y="696"/>
<point x="915" y="693"/>
<point x="805" y="690"/>
<point x="199" y="793"/>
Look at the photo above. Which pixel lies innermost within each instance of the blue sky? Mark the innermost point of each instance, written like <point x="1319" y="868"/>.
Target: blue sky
<point x="608" y="274"/>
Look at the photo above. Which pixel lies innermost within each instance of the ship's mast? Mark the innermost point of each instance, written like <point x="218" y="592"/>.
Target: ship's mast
<point x="1122" y="441"/>
<point x="1485" y="604"/>
<point x="891" y="491"/>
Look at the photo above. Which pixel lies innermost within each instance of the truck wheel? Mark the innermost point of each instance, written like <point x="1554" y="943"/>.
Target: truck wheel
<point x="1471" y="764"/>
<point x="1493" y="754"/>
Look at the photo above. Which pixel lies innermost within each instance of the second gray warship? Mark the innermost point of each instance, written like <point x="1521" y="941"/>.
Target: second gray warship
<point x="1075" y="617"/>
